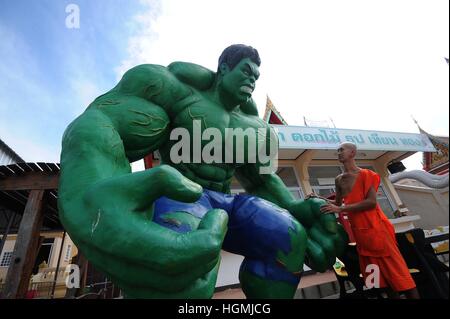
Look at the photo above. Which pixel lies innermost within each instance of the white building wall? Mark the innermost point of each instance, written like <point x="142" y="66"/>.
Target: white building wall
<point x="229" y="269"/>
<point x="431" y="205"/>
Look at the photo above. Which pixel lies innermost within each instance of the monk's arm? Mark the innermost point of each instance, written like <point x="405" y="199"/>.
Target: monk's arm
<point x="338" y="198"/>
<point x="368" y="203"/>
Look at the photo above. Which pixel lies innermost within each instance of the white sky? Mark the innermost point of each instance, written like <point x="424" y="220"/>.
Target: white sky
<point x="366" y="64"/>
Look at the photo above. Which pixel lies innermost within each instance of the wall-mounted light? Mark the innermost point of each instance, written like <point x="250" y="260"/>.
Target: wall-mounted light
<point x="396" y="167"/>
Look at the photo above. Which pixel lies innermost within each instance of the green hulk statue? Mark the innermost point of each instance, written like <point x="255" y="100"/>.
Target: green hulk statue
<point x="158" y="233"/>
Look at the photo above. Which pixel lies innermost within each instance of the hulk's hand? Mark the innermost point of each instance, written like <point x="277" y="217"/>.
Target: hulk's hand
<point x="326" y="238"/>
<point x="142" y="257"/>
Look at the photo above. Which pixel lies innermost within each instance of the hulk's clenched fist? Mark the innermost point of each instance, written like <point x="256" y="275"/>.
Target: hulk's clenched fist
<point x="158" y="233"/>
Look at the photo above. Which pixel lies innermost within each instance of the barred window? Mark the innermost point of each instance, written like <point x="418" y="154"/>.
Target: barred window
<point x="6" y="259"/>
<point x="287" y="175"/>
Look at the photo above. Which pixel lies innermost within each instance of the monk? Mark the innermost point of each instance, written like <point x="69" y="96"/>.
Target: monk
<point x="374" y="234"/>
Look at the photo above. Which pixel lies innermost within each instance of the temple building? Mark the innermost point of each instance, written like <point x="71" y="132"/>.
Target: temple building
<point x="436" y="162"/>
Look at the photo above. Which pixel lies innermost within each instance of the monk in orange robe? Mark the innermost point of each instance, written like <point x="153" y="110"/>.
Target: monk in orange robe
<point x="374" y="234"/>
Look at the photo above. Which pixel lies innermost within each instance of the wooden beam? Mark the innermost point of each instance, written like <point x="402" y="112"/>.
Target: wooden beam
<point x="25" y="249"/>
<point x="53" y="167"/>
<point x="44" y="167"/>
<point x="6" y="171"/>
<point x="16" y="169"/>
<point x="25" y="167"/>
<point x="30" y="180"/>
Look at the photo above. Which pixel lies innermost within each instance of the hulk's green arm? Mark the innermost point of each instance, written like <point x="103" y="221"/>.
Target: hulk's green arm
<point x="267" y="186"/>
<point x="325" y="238"/>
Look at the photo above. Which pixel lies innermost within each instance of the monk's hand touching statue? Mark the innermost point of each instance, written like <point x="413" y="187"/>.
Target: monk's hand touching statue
<point x="330" y="209"/>
<point x="326" y="238"/>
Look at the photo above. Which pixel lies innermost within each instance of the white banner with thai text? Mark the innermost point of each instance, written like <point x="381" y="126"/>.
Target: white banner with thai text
<point x="301" y="137"/>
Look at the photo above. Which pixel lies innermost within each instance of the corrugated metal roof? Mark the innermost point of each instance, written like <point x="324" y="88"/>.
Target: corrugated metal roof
<point x="16" y="200"/>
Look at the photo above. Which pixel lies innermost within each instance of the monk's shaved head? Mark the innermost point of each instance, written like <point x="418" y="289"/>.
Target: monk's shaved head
<point x="348" y="145"/>
<point x="346" y="152"/>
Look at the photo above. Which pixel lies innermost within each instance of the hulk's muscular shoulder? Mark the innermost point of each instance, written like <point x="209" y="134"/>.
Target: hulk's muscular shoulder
<point x="167" y="87"/>
<point x="136" y="110"/>
<point x="154" y="83"/>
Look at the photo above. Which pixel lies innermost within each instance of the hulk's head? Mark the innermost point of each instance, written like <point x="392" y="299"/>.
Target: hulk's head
<point x="238" y="71"/>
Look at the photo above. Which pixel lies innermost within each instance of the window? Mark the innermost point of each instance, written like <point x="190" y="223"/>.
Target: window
<point x="44" y="254"/>
<point x="384" y="202"/>
<point x="289" y="178"/>
<point x="6" y="259"/>
<point x="322" y="178"/>
<point x="287" y="175"/>
<point x="45" y="251"/>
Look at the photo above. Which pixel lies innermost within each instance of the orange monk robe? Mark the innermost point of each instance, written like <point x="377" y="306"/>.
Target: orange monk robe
<point x="375" y="237"/>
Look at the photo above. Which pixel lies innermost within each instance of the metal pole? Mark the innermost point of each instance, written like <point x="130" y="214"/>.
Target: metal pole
<point x="57" y="265"/>
<point x="105" y="289"/>
<point x="5" y="235"/>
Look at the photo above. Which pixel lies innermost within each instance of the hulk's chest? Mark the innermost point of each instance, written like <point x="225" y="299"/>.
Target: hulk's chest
<point x="205" y="130"/>
<point x="199" y="114"/>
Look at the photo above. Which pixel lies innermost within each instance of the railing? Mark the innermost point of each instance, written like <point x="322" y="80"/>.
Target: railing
<point x="41" y="284"/>
<point x="101" y="290"/>
<point x="46" y="274"/>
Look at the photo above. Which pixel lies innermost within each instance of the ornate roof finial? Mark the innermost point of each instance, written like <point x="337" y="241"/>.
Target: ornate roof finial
<point x="417" y="123"/>
<point x="271" y="114"/>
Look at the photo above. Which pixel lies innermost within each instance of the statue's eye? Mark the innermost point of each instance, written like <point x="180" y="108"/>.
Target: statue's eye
<point x="246" y="72"/>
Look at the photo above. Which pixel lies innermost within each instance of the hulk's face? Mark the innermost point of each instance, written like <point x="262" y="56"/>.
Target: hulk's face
<point x="239" y="82"/>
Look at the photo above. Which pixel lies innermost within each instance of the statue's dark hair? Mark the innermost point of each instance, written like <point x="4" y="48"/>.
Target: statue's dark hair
<point x="236" y="52"/>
